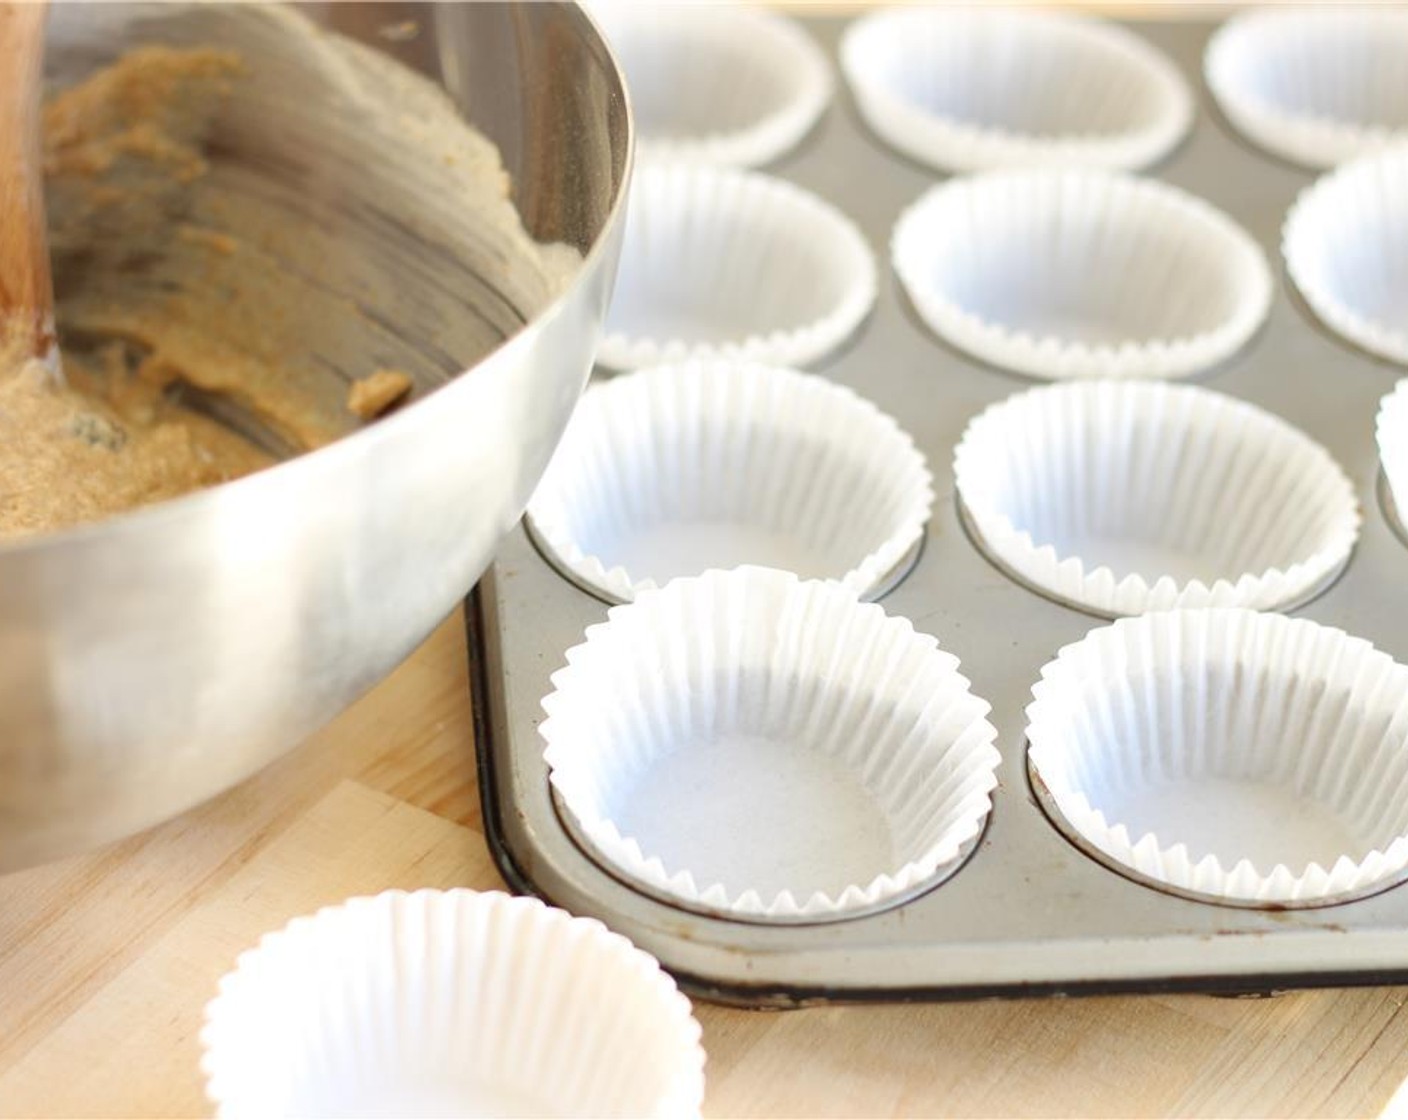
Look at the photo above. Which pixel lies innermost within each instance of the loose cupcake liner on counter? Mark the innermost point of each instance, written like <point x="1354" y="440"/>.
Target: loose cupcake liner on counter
<point x="974" y="89"/>
<point x="719" y="84"/>
<point x="720" y="263"/>
<point x="1062" y="274"/>
<point x="750" y="745"/>
<point x="677" y="469"/>
<point x="1314" y="85"/>
<point x="1346" y="247"/>
<point x="450" y="1003"/>
<point x="1238" y="757"/>
<point x="1125" y="497"/>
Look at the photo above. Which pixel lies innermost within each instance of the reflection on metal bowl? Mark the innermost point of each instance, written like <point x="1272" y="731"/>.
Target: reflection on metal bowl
<point x="150" y="661"/>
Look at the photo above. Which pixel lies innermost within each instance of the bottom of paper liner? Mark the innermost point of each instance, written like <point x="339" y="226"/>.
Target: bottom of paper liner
<point x="698" y="906"/>
<point x="975" y="538"/>
<point x="1093" y="851"/>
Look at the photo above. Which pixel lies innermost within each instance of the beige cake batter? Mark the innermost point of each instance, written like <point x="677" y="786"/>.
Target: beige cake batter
<point x="106" y="437"/>
<point x="164" y="378"/>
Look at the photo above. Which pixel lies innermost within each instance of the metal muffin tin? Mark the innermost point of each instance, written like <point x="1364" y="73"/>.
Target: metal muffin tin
<point x="1030" y="913"/>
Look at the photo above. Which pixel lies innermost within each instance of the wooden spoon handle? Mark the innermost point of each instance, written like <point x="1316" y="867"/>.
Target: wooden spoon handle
<point x="26" y="289"/>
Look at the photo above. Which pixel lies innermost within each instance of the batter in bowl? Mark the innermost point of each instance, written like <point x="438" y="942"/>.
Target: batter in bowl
<point x="181" y="290"/>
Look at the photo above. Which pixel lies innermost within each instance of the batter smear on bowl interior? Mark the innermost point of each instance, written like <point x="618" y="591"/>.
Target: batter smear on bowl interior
<point x="180" y="304"/>
<point x="107" y="436"/>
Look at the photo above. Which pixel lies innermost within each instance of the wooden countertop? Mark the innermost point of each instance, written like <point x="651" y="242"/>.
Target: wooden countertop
<point x="106" y="961"/>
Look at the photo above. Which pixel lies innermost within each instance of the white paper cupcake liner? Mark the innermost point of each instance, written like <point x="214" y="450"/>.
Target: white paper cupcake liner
<point x="1318" y="85"/>
<point x="1391" y="430"/>
<point x="720" y="263"/>
<point x="753" y="746"/>
<point x="1063" y="274"/>
<point x="1125" y="497"/>
<point x="728" y="85"/>
<point x="674" y="470"/>
<point x="1239" y="757"/>
<point x="981" y="88"/>
<point x="450" y="1003"/>
<point x="1346" y="247"/>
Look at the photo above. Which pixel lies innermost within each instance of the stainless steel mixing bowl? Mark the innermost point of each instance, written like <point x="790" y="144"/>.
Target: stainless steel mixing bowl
<point x="150" y="661"/>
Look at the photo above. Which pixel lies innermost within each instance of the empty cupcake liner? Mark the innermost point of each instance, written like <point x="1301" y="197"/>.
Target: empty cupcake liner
<point x="1346" y="247"/>
<point x="719" y="84"/>
<point x="675" y="470"/>
<point x="1238" y="757"/>
<point x="1391" y="430"/>
<point x="1125" y="497"/>
<point x="450" y="1003"/>
<point x="754" y="746"/>
<point x="719" y="263"/>
<point x="1063" y="274"/>
<point x="1316" y="86"/>
<point x="981" y="88"/>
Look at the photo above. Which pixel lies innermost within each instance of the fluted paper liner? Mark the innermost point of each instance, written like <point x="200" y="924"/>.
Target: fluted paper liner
<point x="1317" y="86"/>
<point x="755" y="746"/>
<point x="1249" y="758"/>
<point x="1346" y="247"/>
<point x="720" y="263"/>
<point x="450" y="1003"/>
<point x="719" y="84"/>
<point x="1065" y="274"/>
<point x="1391" y="430"/>
<point x="674" y="470"/>
<point x="1126" y="497"/>
<point x="976" y="89"/>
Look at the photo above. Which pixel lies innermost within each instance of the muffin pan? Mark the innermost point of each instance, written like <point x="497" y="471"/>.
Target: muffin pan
<point x="1035" y="908"/>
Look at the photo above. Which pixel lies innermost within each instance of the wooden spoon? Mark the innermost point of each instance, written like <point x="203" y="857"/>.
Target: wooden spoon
<point x="26" y="288"/>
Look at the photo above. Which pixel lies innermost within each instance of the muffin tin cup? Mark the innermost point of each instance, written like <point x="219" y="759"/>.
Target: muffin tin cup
<point x="1227" y="755"/>
<point x="670" y="471"/>
<point x="752" y="746"/>
<point x="1391" y="433"/>
<point x="1126" y="497"/>
<point x="717" y="84"/>
<point x="1313" y="86"/>
<point x="450" y="1003"/>
<point x="1062" y="274"/>
<point x="973" y="90"/>
<point x="1345" y="242"/>
<point x="721" y="263"/>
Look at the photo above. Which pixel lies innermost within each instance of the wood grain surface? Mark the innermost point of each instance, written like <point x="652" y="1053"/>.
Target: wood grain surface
<point x="107" y="960"/>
